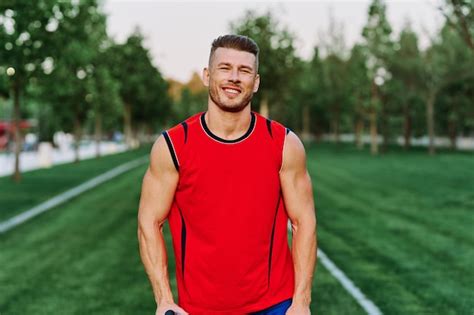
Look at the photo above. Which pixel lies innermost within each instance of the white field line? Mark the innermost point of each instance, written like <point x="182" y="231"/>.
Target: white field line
<point x="65" y="196"/>
<point x="347" y="283"/>
<point x="9" y="224"/>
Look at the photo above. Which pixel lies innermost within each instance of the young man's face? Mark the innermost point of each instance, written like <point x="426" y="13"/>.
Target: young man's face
<point x="232" y="78"/>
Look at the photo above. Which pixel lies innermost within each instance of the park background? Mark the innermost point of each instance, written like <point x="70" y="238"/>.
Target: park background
<point x="387" y="118"/>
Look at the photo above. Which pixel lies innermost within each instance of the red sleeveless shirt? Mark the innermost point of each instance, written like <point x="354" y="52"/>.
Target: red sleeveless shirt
<point x="228" y="220"/>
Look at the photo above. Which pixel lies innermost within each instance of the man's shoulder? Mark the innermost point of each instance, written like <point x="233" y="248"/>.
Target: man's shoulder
<point x="273" y="125"/>
<point x="184" y="125"/>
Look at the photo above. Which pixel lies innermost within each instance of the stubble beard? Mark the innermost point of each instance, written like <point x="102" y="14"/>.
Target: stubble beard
<point x="234" y="108"/>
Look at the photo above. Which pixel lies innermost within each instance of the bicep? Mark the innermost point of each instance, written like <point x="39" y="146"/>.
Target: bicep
<point x="295" y="181"/>
<point x="158" y="186"/>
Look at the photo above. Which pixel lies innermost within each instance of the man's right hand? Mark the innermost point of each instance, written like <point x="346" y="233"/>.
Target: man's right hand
<point x="161" y="310"/>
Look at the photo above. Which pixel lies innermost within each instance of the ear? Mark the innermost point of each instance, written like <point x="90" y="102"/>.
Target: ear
<point x="256" y="83"/>
<point x="205" y="77"/>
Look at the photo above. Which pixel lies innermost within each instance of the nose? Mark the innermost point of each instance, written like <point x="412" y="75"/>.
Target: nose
<point x="234" y="75"/>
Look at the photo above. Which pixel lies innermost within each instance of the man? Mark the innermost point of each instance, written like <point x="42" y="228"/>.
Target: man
<point x="227" y="180"/>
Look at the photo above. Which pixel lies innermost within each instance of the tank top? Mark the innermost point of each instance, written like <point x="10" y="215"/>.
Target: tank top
<point x="228" y="220"/>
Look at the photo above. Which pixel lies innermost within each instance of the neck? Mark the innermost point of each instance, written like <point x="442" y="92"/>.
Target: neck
<point x="228" y="125"/>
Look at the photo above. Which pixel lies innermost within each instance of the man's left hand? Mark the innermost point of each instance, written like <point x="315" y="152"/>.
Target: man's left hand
<point x="298" y="310"/>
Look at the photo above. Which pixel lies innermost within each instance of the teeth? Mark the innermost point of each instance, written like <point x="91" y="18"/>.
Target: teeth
<point x="232" y="91"/>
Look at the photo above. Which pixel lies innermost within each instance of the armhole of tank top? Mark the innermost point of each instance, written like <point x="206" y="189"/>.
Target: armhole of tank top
<point x="169" y="142"/>
<point x="287" y="131"/>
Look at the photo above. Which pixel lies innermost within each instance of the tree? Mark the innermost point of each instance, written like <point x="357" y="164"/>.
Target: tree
<point x="359" y="84"/>
<point x="308" y="98"/>
<point x="143" y="90"/>
<point x="28" y="33"/>
<point x="189" y="98"/>
<point x="4" y="92"/>
<point x="106" y="102"/>
<point x="448" y="63"/>
<point x="459" y="15"/>
<point x="277" y="58"/>
<point x="155" y="107"/>
<point x="406" y="66"/>
<point x="74" y="69"/>
<point x="335" y="75"/>
<point x="377" y="33"/>
<point x="336" y="99"/>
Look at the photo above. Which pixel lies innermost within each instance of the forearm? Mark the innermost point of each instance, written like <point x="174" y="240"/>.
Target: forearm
<point x="304" y="252"/>
<point x="155" y="261"/>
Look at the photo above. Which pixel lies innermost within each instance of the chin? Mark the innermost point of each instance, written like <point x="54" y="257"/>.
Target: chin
<point x="232" y="108"/>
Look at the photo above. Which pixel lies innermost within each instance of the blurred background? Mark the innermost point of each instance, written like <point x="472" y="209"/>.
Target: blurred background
<point x="381" y="93"/>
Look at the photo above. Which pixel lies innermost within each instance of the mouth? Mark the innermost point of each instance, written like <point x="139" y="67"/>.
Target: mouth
<point x="231" y="91"/>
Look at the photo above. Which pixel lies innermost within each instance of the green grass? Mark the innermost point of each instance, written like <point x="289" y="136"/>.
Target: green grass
<point x="398" y="225"/>
<point x="39" y="185"/>
<point x="82" y="258"/>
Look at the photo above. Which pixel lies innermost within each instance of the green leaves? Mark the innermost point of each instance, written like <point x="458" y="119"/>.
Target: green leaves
<point x="277" y="55"/>
<point x="142" y="86"/>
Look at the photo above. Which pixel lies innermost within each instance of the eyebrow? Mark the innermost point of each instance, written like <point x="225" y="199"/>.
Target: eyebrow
<point x="240" y="67"/>
<point x="246" y="67"/>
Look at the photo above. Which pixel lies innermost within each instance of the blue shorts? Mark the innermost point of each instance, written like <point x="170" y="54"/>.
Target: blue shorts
<point x="277" y="309"/>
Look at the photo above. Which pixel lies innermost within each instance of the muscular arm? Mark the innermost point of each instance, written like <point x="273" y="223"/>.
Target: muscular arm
<point x="158" y="188"/>
<point x="298" y="196"/>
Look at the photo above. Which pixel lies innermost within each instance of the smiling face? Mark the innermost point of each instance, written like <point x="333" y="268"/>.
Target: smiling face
<point x="232" y="79"/>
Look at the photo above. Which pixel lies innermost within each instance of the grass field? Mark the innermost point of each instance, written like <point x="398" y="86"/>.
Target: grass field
<point x="398" y="225"/>
<point x="39" y="185"/>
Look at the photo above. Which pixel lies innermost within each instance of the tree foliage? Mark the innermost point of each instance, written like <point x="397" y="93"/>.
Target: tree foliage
<point x="459" y="15"/>
<point x="143" y="90"/>
<point x="277" y="57"/>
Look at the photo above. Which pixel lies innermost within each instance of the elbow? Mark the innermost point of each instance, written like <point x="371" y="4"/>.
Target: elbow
<point x="149" y="224"/>
<point x="306" y="223"/>
<point x="142" y="222"/>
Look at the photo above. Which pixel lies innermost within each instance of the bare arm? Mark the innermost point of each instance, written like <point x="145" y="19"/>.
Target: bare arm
<point x="158" y="188"/>
<point x="298" y="196"/>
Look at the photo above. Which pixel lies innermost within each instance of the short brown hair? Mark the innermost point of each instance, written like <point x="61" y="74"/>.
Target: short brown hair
<point x="237" y="42"/>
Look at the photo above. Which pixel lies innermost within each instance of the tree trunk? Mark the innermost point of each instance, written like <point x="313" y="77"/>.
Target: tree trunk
<point x="359" y="128"/>
<point x="464" y="23"/>
<point x="430" y="121"/>
<point x="264" y="108"/>
<point x="335" y="125"/>
<point x="452" y="134"/>
<point x="374" y="147"/>
<point x="127" y="124"/>
<point x="453" y="124"/>
<point x="136" y="131"/>
<point x="142" y="138"/>
<point x="149" y="133"/>
<point x="16" y="129"/>
<point x="77" y="138"/>
<point x="98" y="133"/>
<point x="306" y="122"/>
<point x="384" y="126"/>
<point x="407" y="128"/>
